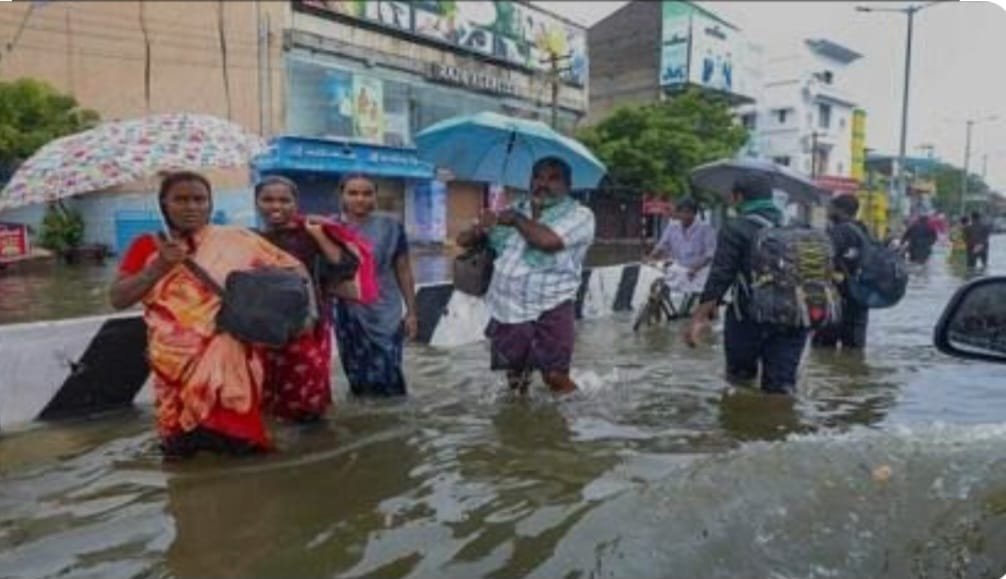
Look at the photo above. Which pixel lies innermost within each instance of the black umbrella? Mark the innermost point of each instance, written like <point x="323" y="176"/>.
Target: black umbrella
<point x="720" y="176"/>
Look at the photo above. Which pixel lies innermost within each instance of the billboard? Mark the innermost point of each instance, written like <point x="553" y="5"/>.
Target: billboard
<point x="510" y="32"/>
<point x="700" y="49"/>
<point x="675" y="40"/>
<point x="714" y="54"/>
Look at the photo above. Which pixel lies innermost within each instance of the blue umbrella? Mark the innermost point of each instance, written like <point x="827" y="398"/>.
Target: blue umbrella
<point x="494" y="148"/>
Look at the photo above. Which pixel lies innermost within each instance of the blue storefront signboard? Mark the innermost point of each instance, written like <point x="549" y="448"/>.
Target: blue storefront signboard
<point x="340" y="157"/>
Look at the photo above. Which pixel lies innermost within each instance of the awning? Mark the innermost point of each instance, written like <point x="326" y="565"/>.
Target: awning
<point x="340" y="157"/>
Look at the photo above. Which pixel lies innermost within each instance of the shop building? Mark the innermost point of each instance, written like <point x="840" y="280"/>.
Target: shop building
<point x="363" y="78"/>
<point x="339" y="86"/>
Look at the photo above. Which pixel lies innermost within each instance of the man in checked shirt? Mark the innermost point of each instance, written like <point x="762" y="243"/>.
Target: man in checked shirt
<point x="540" y="245"/>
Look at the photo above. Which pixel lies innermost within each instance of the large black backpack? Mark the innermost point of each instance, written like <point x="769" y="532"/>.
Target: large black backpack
<point x="792" y="277"/>
<point x="882" y="277"/>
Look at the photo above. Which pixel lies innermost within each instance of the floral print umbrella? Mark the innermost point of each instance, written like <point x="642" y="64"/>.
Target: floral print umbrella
<point x="120" y="152"/>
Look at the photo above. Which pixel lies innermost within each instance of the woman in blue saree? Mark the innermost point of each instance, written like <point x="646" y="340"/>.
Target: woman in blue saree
<point x="371" y="337"/>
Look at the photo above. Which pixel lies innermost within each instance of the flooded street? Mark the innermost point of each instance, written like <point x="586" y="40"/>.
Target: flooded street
<point x="889" y="464"/>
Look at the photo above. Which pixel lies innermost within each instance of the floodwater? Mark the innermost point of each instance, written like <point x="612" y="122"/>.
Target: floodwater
<point x="48" y="290"/>
<point x="885" y="465"/>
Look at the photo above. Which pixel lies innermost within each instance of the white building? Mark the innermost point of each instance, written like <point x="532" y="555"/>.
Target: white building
<point x="803" y="119"/>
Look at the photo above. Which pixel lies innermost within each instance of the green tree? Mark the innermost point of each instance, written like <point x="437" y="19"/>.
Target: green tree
<point x="32" y="113"/>
<point x="654" y="146"/>
<point x="947" y="179"/>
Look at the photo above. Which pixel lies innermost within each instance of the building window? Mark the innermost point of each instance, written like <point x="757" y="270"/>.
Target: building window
<point x="824" y="116"/>
<point x="841" y="123"/>
<point x="841" y="170"/>
<point x="825" y="76"/>
<point x="780" y="115"/>
<point x="784" y="161"/>
<point x="749" y="121"/>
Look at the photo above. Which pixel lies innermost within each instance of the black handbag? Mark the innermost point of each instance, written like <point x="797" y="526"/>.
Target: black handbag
<point x="267" y="306"/>
<point x="473" y="270"/>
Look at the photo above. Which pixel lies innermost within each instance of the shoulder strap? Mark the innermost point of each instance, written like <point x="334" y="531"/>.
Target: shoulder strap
<point x="203" y="276"/>
<point x="760" y="220"/>
<point x="197" y="270"/>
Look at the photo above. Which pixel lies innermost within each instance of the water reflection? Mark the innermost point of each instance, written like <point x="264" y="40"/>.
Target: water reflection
<point x="307" y="512"/>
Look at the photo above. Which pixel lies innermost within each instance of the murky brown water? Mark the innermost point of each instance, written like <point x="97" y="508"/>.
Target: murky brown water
<point x="655" y="470"/>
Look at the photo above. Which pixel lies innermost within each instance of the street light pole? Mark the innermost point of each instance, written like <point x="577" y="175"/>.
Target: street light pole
<point x="967" y="161"/>
<point x="967" y="158"/>
<point x="902" y="178"/>
<point x="555" y="78"/>
<point x="902" y="181"/>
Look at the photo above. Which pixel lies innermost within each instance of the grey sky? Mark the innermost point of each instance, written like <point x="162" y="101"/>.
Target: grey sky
<point x="956" y="66"/>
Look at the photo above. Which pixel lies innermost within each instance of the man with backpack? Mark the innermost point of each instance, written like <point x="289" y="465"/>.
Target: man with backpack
<point x="782" y="282"/>
<point x="850" y="239"/>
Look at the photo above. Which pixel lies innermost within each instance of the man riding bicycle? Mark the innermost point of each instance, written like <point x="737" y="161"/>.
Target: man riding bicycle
<point x="687" y="246"/>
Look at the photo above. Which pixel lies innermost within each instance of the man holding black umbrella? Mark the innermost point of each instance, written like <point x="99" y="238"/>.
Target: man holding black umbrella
<point x="540" y="247"/>
<point x="749" y="343"/>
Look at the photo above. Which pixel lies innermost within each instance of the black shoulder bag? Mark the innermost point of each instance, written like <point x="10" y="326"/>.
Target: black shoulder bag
<point x="267" y="306"/>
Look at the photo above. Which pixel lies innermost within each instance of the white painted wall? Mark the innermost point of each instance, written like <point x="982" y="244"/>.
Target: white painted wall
<point x="35" y="357"/>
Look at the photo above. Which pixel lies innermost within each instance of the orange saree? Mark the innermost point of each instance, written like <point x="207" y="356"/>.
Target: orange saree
<point x="207" y="383"/>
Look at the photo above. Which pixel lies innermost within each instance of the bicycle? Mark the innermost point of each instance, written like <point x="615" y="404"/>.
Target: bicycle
<point x="660" y="304"/>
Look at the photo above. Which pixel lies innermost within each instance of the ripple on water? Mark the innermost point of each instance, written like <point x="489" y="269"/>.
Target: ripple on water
<point x="655" y="469"/>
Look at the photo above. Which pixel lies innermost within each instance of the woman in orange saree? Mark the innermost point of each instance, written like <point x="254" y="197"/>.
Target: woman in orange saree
<point x="208" y="384"/>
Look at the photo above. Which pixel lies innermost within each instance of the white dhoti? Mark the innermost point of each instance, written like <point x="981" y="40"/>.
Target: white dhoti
<point x="676" y="278"/>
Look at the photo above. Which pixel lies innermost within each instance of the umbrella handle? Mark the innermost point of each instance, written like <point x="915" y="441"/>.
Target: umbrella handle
<point x="506" y="157"/>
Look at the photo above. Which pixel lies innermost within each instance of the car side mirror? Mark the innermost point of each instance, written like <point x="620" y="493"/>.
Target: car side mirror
<point x="973" y="325"/>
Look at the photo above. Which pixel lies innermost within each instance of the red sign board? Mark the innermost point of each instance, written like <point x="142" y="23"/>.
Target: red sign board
<point x="837" y="184"/>
<point x="653" y="206"/>
<point x="13" y="241"/>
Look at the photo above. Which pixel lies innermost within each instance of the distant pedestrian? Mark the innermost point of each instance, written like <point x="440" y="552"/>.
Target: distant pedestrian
<point x="920" y="238"/>
<point x="976" y="238"/>
<point x="849" y="237"/>
<point x="540" y="246"/>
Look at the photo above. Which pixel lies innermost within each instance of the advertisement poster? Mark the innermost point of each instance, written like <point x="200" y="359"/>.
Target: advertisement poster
<point x="715" y="54"/>
<point x="368" y="109"/>
<point x="13" y="241"/>
<point x="427" y="214"/>
<point x="508" y="31"/>
<point x="338" y="90"/>
<point x="859" y="145"/>
<point x="676" y="31"/>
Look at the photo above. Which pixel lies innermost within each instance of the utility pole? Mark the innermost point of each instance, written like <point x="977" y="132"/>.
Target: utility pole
<point x="967" y="158"/>
<point x="813" y="155"/>
<point x="902" y="180"/>
<point x="260" y="35"/>
<point x="555" y="80"/>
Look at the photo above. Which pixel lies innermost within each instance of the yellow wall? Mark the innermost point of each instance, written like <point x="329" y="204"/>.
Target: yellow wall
<point x="873" y="211"/>
<point x="858" y="145"/>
